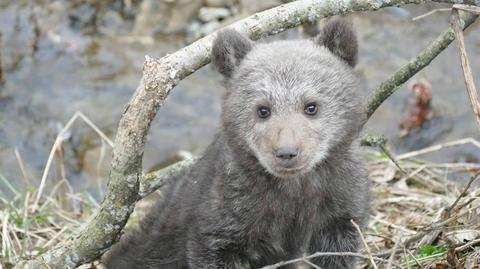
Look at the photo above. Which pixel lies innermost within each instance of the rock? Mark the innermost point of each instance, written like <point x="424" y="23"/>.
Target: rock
<point x="193" y="31"/>
<point x="209" y="28"/>
<point x="207" y="14"/>
<point x="165" y="17"/>
<point x="182" y="13"/>
<point x="399" y="12"/>
<point x="253" y="6"/>
<point x="96" y="161"/>
<point x="111" y="23"/>
<point x="83" y="18"/>
<point x="219" y="3"/>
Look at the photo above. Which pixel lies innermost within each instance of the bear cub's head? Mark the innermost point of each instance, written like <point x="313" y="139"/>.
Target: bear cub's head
<point x="290" y="104"/>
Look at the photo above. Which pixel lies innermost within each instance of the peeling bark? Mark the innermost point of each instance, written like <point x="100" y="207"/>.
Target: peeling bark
<point x="126" y="183"/>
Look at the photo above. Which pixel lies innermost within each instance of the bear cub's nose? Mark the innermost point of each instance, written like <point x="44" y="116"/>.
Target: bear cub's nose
<point x="286" y="154"/>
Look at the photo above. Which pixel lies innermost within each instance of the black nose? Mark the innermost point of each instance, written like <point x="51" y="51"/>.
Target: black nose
<point x="286" y="153"/>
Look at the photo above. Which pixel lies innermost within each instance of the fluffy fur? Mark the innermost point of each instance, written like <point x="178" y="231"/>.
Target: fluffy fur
<point x="240" y="206"/>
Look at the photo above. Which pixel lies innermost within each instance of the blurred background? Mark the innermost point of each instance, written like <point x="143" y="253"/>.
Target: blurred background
<point x="61" y="57"/>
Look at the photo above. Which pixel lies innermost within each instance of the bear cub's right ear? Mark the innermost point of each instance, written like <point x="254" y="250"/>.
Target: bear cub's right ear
<point x="229" y="48"/>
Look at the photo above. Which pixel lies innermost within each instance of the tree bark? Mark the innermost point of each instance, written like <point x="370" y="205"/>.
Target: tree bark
<point x="160" y="76"/>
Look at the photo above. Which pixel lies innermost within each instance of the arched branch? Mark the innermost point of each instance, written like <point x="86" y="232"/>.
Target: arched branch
<point x="159" y="78"/>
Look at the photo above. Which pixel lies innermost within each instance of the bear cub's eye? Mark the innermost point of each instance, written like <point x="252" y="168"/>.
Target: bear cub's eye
<point x="263" y="112"/>
<point x="311" y="109"/>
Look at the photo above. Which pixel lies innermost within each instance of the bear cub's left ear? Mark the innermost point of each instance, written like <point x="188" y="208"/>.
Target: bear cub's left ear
<point x="229" y="49"/>
<point x="339" y="37"/>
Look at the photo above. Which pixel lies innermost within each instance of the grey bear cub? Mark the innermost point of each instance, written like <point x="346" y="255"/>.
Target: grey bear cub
<point x="283" y="177"/>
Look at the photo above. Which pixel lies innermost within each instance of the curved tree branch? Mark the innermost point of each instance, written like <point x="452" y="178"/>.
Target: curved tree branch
<point x="159" y="77"/>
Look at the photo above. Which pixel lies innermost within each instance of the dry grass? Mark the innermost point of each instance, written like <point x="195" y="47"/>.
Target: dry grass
<point x="421" y="218"/>
<point x="27" y="231"/>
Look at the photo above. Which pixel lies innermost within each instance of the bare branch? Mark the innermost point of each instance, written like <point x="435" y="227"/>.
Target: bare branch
<point x="155" y="180"/>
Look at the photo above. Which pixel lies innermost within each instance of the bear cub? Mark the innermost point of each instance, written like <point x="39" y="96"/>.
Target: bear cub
<point x="283" y="178"/>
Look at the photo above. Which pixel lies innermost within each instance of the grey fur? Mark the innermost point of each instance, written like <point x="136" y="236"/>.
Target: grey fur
<point x="228" y="50"/>
<point x="239" y="207"/>
<point x="339" y="37"/>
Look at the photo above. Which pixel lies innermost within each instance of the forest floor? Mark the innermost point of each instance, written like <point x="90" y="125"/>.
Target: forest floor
<point x="421" y="217"/>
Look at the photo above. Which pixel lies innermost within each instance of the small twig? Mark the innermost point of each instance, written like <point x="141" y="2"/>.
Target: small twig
<point x="393" y="225"/>
<point x="390" y="156"/>
<point x="326" y="254"/>
<point x="467" y="203"/>
<point x="311" y="264"/>
<point x="431" y="13"/>
<point x="392" y="256"/>
<point x="437" y="225"/>
<point x="433" y="234"/>
<point x="155" y="180"/>
<point x="381" y="142"/>
<point x="464" y="192"/>
<point x="433" y="148"/>
<point x="467" y="71"/>
<point x="406" y="257"/>
<point x="369" y="252"/>
<point x="467" y="245"/>
<point x="26" y="178"/>
<point x="43" y="263"/>
<point x="415" y="258"/>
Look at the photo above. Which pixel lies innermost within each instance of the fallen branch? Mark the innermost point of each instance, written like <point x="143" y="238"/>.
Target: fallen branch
<point x="159" y="77"/>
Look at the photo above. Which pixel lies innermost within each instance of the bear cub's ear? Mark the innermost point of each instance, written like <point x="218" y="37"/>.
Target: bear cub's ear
<point x="338" y="36"/>
<point x="229" y="48"/>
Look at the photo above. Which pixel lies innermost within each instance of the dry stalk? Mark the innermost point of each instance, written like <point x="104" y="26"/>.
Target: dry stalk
<point x="434" y="148"/>
<point x="56" y="146"/>
<point x="430" y="13"/>
<point x="467" y="70"/>
<point x="21" y="164"/>
<point x="464" y="192"/>
<point x="362" y="237"/>
<point x="396" y="246"/>
<point x="326" y="254"/>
